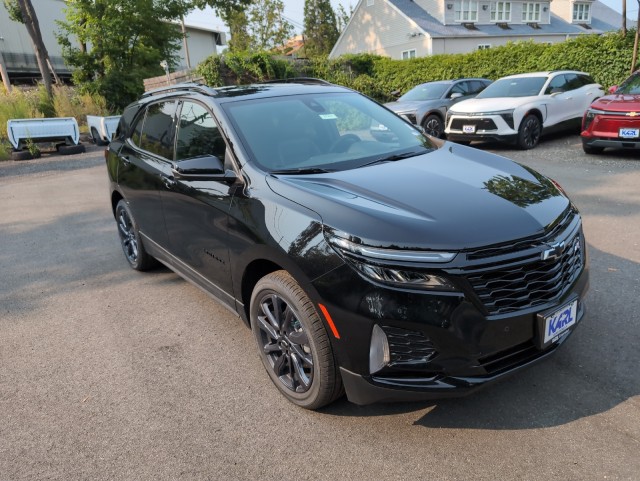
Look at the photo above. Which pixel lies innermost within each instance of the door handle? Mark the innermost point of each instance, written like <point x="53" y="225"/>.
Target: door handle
<point x="126" y="160"/>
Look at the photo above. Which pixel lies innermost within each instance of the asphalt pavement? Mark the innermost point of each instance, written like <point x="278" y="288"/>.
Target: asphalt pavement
<point x="108" y="373"/>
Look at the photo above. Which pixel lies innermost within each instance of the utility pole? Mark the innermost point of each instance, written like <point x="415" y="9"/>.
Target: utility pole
<point x="185" y="43"/>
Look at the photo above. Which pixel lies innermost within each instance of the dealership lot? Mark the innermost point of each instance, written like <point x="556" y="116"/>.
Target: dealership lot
<point x="106" y="373"/>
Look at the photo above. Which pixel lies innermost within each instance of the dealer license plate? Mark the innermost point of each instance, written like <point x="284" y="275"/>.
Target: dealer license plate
<point x="629" y="133"/>
<point x="560" y="321"/>
<point x="469" y="129"/>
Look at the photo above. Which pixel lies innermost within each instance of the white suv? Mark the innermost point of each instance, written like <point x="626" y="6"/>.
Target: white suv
<point x="520" y="108"/>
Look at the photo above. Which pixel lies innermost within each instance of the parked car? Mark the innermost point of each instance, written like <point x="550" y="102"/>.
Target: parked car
<point x="402" y="270"/>
<point x="521" y="108"/>
<point x="102" y="128"/>
<point x="614" y="120"/>
<point x="427" y="104"/>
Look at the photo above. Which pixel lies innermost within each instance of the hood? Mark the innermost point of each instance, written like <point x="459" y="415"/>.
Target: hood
<point x="410" y="105"/>
<point x="618" y="103"/>
<point x="475" y="106"/>
<point x="453" y="198"/>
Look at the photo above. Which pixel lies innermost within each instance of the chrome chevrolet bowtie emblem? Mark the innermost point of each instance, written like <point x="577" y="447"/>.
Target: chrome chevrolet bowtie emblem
<point x="553" y="252"/>
<point x="632" y="114"/>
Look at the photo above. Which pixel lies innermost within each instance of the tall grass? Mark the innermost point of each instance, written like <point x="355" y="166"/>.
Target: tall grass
<point x="35" y="103"/>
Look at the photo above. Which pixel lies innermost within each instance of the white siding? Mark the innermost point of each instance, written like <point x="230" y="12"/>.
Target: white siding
<point x="202" y="44"/>
<point x="381" y="29"/>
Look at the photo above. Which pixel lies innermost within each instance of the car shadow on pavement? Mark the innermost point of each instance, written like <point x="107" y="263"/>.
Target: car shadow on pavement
<point x="595" y="371"/>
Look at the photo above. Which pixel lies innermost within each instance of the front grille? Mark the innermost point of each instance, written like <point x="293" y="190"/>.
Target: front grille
<point x="480" y="124"/>
<point x="408" y="347"/>
<point x="529" y="284"/>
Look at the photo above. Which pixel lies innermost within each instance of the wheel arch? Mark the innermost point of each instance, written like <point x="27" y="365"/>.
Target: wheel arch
<point x="435" y="112"/>
<point x="253" y="272"/>
<point x="533" y="111"/>
<point x="115" y="198"/>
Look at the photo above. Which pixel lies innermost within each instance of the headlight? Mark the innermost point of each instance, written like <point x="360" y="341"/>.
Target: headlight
<point x="366" y="260"/>
<point x="589" y="115"/>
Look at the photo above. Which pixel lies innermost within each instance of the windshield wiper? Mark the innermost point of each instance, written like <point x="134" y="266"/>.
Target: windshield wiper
<point x="394" y="157"/>
<point x="302" y="171"/>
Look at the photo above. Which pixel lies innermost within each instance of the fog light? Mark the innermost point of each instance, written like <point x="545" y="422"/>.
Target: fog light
<point x="379" y="351"/>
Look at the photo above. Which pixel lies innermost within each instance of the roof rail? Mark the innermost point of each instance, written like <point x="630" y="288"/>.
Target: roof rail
<point x="298" y="80"/>
<point x="188" y="86"/>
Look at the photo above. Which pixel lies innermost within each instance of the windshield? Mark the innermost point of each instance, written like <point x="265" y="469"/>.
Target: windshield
<point x="311" y="133"/>
<point x="428" y="91"/>
<point x="513" y="87"/>
<point x="630" y="86"/>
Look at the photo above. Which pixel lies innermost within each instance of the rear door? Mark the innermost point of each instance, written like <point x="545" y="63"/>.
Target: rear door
<point x="145" y="166"/>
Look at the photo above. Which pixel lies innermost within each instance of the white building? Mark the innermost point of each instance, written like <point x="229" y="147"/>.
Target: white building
<point x="20" y="60"/>
<point x="404" y="29"/>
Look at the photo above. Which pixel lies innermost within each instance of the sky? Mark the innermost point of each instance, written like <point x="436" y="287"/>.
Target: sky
<point x="294" y="12"/>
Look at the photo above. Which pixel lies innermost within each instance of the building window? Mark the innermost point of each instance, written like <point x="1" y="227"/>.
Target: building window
<point x="484" y="46"/>
<point x="370" y="3"/>
<point x="531" y="12"/>
<point x="501" y="12"/>
<point x="581" y="12"/>
<point x="407" y="54"/>
<point x="466" y="11"/>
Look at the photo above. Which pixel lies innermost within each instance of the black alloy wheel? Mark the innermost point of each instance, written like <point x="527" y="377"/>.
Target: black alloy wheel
<point x="130" y="239"/>
<point x="433" y="126"/>
<point x="529" y="132"/>
<point x="293" y="343"/>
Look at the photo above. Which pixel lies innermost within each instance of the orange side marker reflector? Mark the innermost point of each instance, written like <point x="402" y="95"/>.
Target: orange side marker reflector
<point x="327" y="316"/>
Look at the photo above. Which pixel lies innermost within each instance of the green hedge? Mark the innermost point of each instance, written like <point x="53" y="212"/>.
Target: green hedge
<point x="607" y="58"/>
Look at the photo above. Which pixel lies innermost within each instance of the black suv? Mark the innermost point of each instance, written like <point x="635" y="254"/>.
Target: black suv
<point x="393" y="268"/>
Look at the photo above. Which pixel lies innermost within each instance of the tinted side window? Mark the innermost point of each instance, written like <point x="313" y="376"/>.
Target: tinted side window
<point x="477" y="86"/>
<point x="125" y="120"/>
<point x="198" y="134"/>
<point x="586" y="79"/>
<point x="461" y="87"/>
<point x="137" y="130"/>
<point x="557" y="84"/>
<point x="573" y="82"/>
<point x="157" y="131"/>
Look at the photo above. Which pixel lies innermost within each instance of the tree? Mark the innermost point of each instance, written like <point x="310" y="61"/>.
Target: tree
<point x="267" y="26"/>
<point x="119" y="43"/>
<point x="342" y="17"/>
<point x="233" y="13"/>
<point x="22" y="11"/>
<point x="320" y="27"/>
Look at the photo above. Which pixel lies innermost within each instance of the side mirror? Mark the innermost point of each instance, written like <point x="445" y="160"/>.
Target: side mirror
<point x="207" y="167"/>
<point x="455" y="95"/>
<point x="613" y="89"/>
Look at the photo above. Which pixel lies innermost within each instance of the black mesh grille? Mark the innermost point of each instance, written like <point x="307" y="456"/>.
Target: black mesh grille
<point x="509" y="289"/>
<point x="515" y="356"/>
<point x="408" y="347"/>
<point x="480" y="124"/>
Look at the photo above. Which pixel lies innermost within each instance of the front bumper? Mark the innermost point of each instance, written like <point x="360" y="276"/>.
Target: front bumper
<point x="608" y="142"/>
<point x="487" y="127"/>
<point x="365" y="390"/>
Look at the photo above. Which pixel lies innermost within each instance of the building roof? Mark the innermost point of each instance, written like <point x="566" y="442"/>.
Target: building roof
<point x="436" y="29"/>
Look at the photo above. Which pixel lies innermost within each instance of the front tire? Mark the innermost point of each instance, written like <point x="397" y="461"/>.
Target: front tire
<point x="293" y="343"/>
<point x="433" y="126"/>
<point x="529" y="132"/>
<point x="95" y="136"/>
<point x="130" y="240"/>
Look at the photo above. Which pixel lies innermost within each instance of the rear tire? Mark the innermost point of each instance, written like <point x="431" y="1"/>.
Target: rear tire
<point x="529" y="132"/>
<point x="293" y="343"/>
<point x="71" y="149"/>
<point x="131" y="241"/>
<point x="97" y="139"/>
<point x="21" y="155"/>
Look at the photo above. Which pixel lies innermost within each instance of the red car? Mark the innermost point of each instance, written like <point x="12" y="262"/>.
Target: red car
<point x="614" y="120"/>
